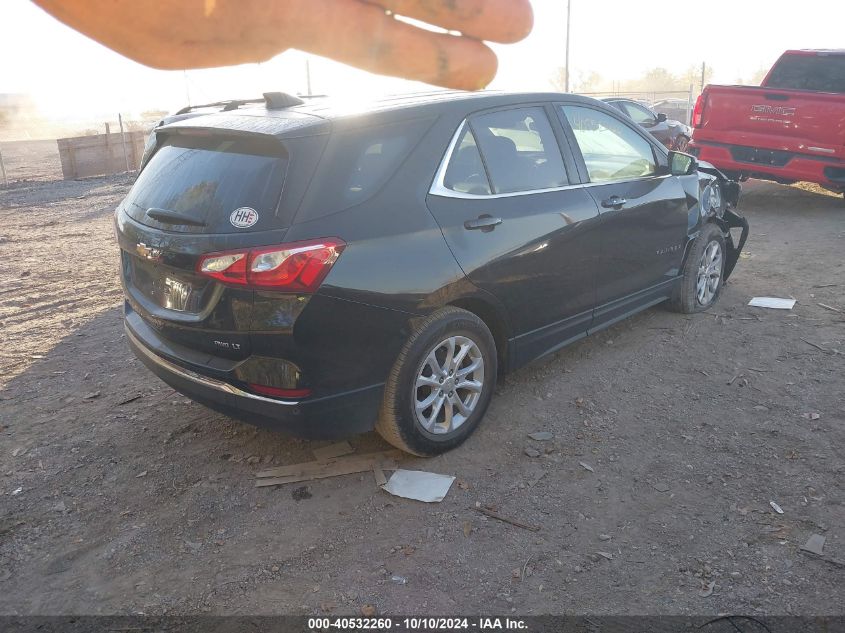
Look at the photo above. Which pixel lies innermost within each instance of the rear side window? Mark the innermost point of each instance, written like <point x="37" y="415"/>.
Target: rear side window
<point x="207" y="179"/>
<point x="466" y="173"/>
<point x="611" y="149"/>
<point x="519" y="150"/>
<point x="357" y="163"/>
<point x="809" y="72"/>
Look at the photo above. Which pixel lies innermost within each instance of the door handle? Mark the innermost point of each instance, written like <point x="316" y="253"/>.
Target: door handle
<point x="485" y="223"/>
<point x="614" y="202"/>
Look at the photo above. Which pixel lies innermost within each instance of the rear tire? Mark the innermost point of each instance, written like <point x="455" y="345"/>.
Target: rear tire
<point x="441" y="384"/>
<point x="703" y="274"/>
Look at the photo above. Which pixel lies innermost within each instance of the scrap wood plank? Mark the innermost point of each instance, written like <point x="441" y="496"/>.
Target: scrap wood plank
<point x="332" y="468"/>
<point x="378" y="473"/>
<point x="331" y="451"/>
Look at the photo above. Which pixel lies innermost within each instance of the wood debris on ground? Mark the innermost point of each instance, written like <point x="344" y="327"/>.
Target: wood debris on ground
<point x="380" y="477"/>
<point x="485" y="510"/>
<point x="308" y="471"/>
<point x="331" y="451"/>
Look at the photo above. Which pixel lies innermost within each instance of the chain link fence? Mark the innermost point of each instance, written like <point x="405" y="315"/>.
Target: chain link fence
<point x="675" y="104"/>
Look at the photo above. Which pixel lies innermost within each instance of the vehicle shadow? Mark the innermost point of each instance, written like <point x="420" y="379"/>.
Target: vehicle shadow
<point x="90" y="383"/>
<point x="789" y="200"/>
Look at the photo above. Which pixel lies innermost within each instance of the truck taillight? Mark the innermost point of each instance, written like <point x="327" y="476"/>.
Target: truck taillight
<point x="295" y="267"/>
<point x="698" y="110"/>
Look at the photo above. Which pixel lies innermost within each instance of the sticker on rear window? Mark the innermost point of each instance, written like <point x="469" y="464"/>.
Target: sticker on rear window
<point x="243" y="218"/>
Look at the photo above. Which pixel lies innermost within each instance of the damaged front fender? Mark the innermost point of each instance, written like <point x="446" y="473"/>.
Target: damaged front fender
<point x="732" y="220"/>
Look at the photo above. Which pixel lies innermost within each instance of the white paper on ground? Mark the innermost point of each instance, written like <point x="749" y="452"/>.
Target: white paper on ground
<point x="419" y="485"/>
<point x="772" y="302"/>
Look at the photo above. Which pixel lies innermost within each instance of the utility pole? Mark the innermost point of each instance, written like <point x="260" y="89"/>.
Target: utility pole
<point x="703" y="71"/>
<point x="187" y="87"/>
<point x="568" y="15"/>
<point x="308" y="75"/>
<point x="123" y="140"/>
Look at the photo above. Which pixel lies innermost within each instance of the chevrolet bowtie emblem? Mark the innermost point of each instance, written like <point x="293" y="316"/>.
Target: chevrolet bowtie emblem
<point x="147" y="252"/>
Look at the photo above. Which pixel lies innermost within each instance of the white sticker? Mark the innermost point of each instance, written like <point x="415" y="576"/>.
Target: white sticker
<point x="243" y="218"/>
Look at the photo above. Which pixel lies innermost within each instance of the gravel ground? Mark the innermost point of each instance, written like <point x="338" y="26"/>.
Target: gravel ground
<point x="671" y="436"/>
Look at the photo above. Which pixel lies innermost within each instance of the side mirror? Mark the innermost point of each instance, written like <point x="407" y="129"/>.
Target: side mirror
<point x="661" y="117"/>
<point x="681" y="164"/>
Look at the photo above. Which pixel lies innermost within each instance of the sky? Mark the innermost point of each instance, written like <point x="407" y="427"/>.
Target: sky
<point x="71" y="76"/>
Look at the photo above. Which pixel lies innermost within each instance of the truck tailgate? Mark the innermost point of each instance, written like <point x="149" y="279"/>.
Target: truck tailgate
<point x="793" y="121"/>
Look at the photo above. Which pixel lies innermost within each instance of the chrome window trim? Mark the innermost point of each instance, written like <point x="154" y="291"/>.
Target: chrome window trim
<point x="205" y="381"/>
<point x="438" y="187"/>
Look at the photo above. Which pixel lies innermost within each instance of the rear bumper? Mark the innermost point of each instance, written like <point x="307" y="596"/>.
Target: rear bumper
<point x="798" y="167"/>
<point x="339" y="415"/>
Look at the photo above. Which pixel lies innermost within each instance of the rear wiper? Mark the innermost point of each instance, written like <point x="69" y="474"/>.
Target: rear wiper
<point x="173" y="217"/>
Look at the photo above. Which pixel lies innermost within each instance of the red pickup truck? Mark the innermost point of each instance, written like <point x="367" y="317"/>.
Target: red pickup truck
<point x="791" y="128"/>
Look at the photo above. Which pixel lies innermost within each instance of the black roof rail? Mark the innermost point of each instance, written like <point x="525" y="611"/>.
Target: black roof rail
<point x="231" y="104"/>
<point x="274" y="101"/>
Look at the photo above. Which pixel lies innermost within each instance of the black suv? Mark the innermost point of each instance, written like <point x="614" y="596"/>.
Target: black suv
<point x="326" y="270"/>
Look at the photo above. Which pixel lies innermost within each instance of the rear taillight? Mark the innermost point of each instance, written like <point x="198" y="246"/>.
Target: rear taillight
<point x="228" y="267"/>
<point x="698" y="110"/>
<point x="295" y="267"/>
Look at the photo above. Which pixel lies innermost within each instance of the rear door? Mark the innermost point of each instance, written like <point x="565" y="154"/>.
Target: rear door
<point x="519" y="224"/>
<point x="644" y="211"/>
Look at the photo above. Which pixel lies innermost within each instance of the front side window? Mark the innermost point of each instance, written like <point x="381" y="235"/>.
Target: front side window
<point x="519" y="150"/>
<point x="611" y="149"/>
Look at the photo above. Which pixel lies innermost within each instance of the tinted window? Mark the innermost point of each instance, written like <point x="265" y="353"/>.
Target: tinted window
<point x="611" y="149"/>
<point x="520" y="150"/>
<point x="809" y="72"/>
<point x="466" y="171"/>
<point x="639" y="114"/>
<point x="357" y="163"/>
<point x="206" y="179"/>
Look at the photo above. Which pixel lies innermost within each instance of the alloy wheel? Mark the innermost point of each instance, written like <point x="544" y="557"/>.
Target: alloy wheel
<point x="448" y="386"/>
<point x="709" y="273"/>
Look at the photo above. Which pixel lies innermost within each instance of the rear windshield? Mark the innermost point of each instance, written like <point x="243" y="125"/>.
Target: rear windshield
<point x="206" y="179"/>
<point x="809" y="72"/>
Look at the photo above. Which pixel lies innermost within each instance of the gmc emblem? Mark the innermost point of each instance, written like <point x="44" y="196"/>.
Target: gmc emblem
<point x="776" y="110"/>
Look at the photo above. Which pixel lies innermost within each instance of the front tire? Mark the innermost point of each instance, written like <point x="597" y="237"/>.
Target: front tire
<point x="703" y="274"/>
<point x="441" y="384"/>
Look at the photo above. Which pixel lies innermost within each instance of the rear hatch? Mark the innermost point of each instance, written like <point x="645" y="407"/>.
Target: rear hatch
<point x="203" y="191"/>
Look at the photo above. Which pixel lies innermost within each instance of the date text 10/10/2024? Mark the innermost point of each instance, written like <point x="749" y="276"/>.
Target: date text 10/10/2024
<point x="417" y="624"/>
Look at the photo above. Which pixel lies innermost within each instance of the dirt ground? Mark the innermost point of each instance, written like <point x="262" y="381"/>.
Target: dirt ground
<point x="31" y="160"/>
<point x="690" y="426"/>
